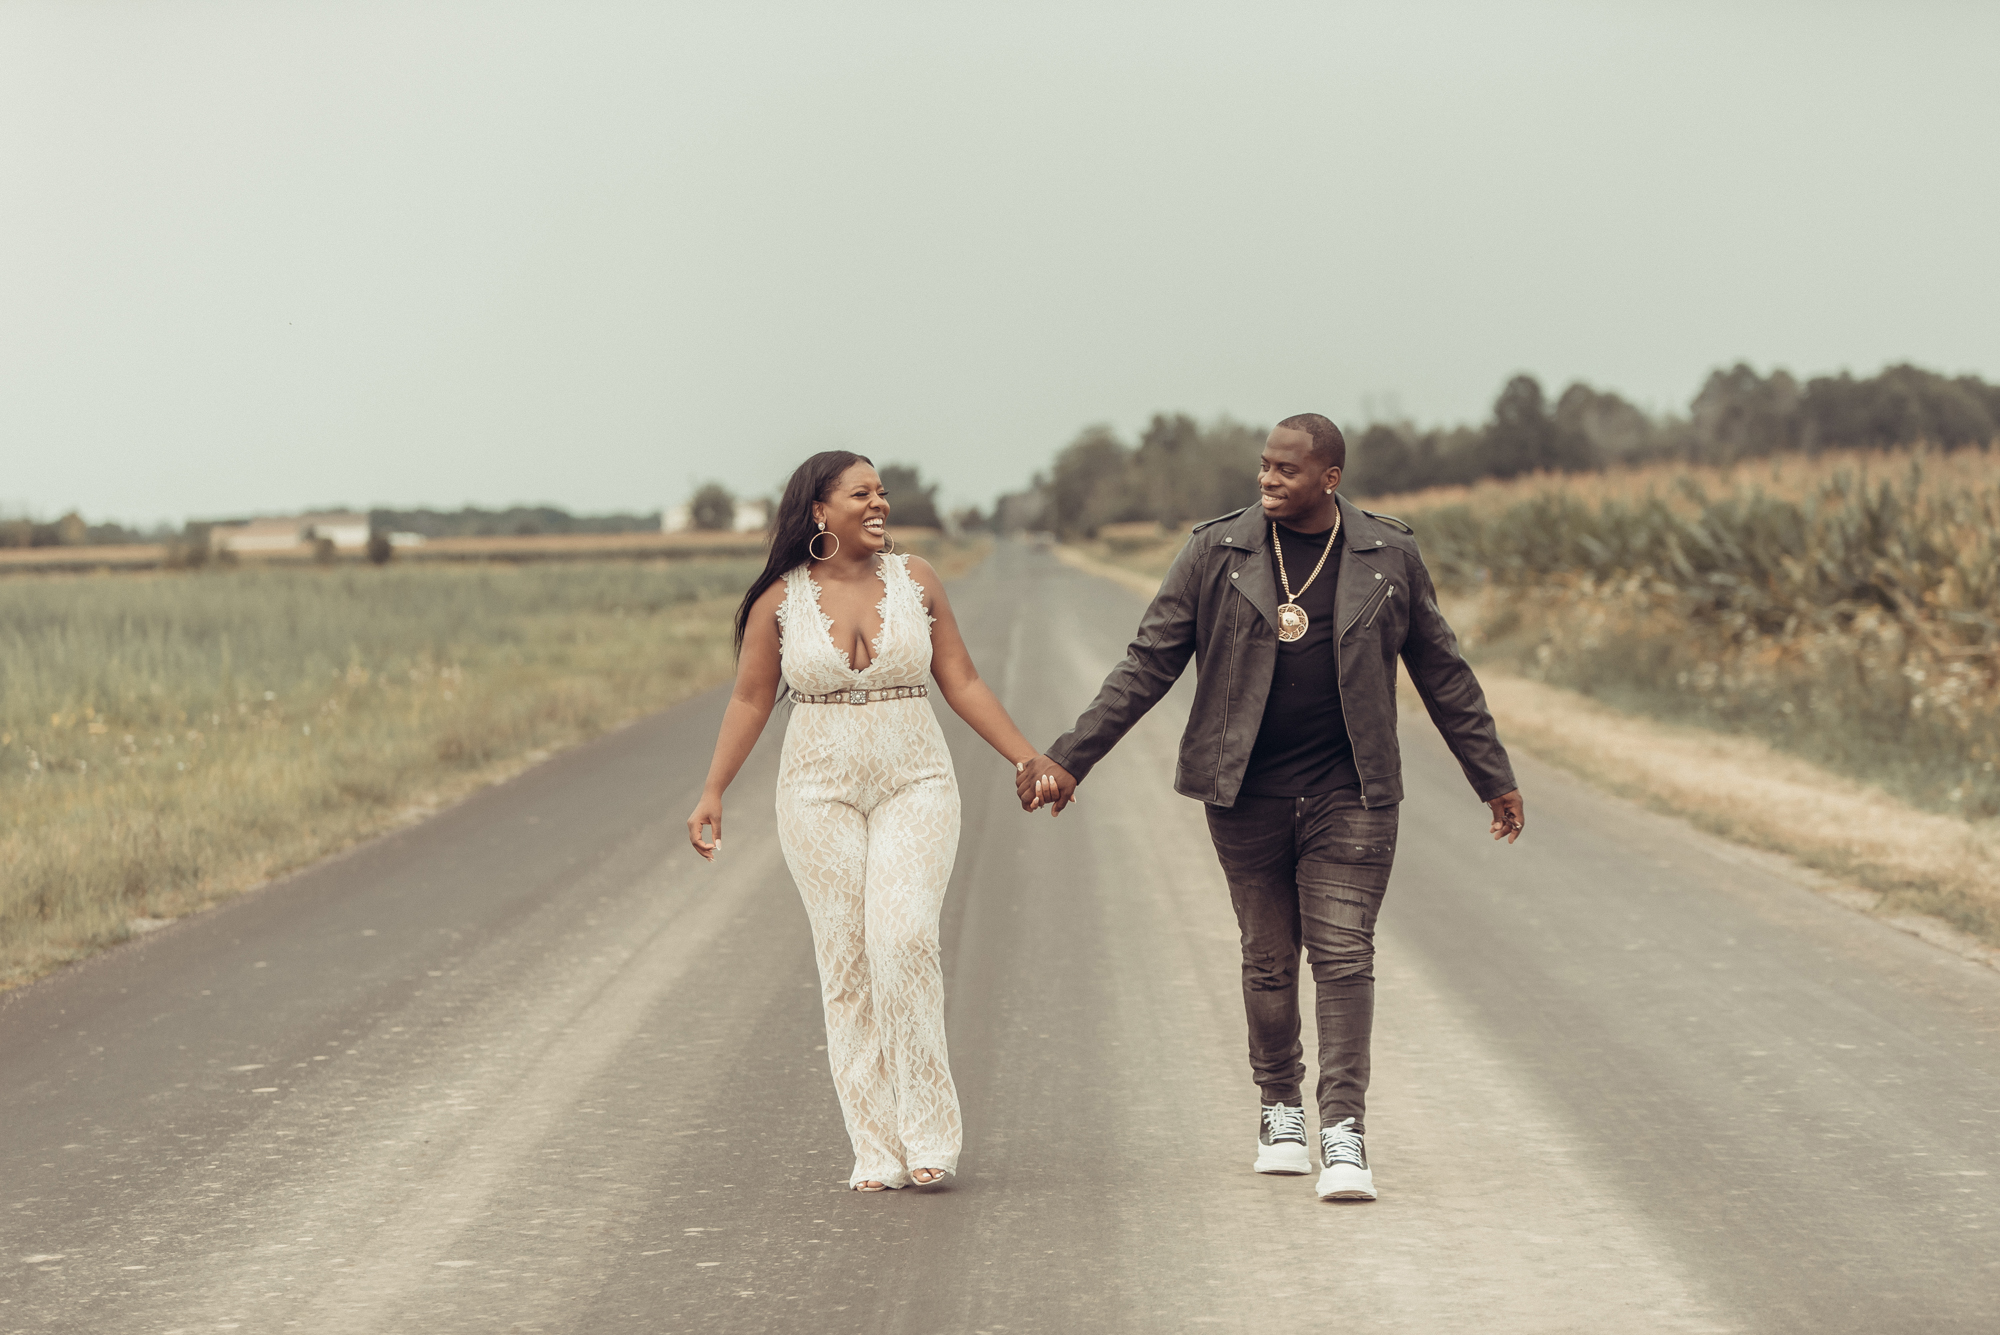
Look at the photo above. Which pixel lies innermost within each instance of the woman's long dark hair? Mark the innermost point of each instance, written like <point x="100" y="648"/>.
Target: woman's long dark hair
<point x="792" y="529"/>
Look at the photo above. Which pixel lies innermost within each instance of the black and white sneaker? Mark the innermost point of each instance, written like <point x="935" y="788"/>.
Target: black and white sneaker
<point x="1281" y="1140"/>
<point x="1346" y="1175"/>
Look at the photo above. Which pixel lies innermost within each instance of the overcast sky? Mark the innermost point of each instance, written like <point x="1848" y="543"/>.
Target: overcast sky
<point x="257" y="256"/>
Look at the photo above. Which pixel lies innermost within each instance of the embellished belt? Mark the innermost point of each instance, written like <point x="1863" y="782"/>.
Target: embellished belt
<point x="862" y="697"/>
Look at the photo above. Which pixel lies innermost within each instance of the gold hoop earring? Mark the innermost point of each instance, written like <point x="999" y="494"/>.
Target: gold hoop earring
<point x="812" y="543"/>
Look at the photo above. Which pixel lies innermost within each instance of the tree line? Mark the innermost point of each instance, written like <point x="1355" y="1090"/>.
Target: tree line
<point x="72" y="531"/>
<point x="519" y="520"/>
<point x="1180" y="471"/>
<point x="911" y="503"/>
<point x="469" y="521"/>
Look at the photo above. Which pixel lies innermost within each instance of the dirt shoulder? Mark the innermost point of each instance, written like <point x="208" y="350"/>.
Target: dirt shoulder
<point x="1935" y="876"/>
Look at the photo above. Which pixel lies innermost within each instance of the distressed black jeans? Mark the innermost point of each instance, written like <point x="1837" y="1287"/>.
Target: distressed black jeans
<point x="1308" y="873"/>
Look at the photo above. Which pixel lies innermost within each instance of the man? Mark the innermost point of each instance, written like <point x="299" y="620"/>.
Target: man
<point x="1295" y="611"/>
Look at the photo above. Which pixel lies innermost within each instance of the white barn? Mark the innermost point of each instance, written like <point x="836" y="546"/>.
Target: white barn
<point x="751" y="517"/>
<point x="348" y="531"/>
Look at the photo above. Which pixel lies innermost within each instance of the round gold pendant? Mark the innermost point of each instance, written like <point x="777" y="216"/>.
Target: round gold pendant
<point x="1292" y="622"/>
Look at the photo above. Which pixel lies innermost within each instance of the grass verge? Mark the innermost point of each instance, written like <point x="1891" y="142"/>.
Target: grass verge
<point x="167" y="741"/>
<point x="1908" y="865"/>
<point x="1845" y="608"/>
<point x="170" y="740"/>
<point x="1915" y="868"/>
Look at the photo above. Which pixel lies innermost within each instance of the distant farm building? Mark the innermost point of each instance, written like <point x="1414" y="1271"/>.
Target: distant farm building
<point x="257" y="535"/>
<point x="347" y="532"/>
<point x="751" y="517"/>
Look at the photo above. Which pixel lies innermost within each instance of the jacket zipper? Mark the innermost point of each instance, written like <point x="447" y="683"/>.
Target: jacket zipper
<point x="1368" y="606"/>
<point x="1339" y="686"/>
<point x="1380" y="603"/>
<point x="1340" y="690"/>
<point x="1229" y="684"/>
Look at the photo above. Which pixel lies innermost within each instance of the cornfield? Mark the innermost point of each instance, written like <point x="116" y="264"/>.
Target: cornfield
<point x="1845" y="607"/>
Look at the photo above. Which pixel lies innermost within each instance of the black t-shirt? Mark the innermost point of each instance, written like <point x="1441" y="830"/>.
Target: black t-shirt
<point x="1302" y="746"/>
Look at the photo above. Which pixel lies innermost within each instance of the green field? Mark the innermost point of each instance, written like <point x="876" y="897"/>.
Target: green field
<point x="168" y="740"/>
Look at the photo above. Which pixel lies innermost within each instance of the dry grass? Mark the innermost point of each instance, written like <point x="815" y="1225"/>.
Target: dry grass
<point x="950" y="557"/>
<point x="1912" y="866"/>
<point x="134" y="555"/>
<point x="687" y="544"/>
<point x="1790" y="477"/>
<point x="1136" y="575"/>
<point x="588" y="546"/>
<point x="1142" y="552"/>
<point x="1911" y="862"/>
<point x="1845" y="608"/>
<point x="167" y="741"/>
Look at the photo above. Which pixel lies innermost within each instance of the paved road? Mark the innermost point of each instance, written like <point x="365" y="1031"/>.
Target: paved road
<point x="532" y="1066"/>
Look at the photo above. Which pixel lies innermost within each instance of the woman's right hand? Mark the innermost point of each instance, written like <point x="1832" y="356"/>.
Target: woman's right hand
<point x="1040" y="782"/>
<point x="707" y="812"/>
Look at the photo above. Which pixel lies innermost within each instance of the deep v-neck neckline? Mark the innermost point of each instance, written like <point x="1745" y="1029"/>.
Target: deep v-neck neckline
<point x="874" y="641"/>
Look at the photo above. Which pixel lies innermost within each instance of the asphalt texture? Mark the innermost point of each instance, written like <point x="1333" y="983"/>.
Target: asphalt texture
<point x="534" y="1066"/>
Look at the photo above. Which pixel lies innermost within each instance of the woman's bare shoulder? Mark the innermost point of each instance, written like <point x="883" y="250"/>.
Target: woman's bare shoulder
<point x="770" y="600"/>
<point x="923" y="572"/>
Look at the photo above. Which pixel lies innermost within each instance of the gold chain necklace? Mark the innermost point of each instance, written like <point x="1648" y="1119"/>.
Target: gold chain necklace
<point x="1292" y="619"/>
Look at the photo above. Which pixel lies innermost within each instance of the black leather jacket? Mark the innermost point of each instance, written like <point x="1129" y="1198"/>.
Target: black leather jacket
<point x="1219" y="603"/>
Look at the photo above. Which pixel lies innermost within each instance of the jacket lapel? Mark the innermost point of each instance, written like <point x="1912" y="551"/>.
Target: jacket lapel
<point x="1250" y="574"/>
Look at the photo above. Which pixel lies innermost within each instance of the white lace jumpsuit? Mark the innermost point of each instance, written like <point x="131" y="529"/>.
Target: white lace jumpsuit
<point x="868" y="820"/>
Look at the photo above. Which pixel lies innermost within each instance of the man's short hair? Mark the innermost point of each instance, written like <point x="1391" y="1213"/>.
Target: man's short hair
<point x="1329" y="446"/>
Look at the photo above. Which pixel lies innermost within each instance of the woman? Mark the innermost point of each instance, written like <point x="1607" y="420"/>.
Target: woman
<point x="867" y="802"/>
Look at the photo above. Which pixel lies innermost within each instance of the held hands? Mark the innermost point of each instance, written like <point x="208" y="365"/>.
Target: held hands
<point x="1040" y="782"/>
<point x="1508" y="820"/>
<point x="707" y="812"/>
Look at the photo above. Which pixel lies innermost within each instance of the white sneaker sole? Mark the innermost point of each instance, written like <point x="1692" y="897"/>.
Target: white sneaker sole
<point x="1344" y="1182"/>
<point x="1291" y="1159"/>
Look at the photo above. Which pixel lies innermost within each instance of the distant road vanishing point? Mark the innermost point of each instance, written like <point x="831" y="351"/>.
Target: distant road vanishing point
<point x="533" y="1066"/>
